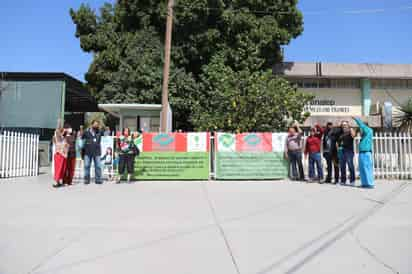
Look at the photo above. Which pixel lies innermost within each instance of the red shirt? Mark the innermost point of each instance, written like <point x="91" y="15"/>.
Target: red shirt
<point x="313" y="143"/>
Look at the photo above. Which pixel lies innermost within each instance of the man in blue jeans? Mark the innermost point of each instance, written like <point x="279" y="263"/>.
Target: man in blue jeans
<point x="312" y="148"/>
<point x="346" y="153"/>
<point x="293" y="152"/>
<point x="92" y="152"/>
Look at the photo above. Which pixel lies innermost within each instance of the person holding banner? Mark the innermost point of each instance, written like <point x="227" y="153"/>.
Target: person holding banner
<point x="365" y="154"/>
<point x="60" y="155"/>
<point x="126" y="149"/>
<point x="293" y="151"/>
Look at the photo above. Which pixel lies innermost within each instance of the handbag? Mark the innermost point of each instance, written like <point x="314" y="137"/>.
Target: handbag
<point x="135" y="150"/>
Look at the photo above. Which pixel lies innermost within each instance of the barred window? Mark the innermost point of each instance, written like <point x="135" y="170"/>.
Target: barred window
<point x="391" y="83"/>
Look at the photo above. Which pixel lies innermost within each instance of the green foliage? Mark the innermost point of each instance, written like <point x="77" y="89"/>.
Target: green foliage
<point x="241" y="101"/>
<point x="126" y="40"/>
<point x="403" y="118"/>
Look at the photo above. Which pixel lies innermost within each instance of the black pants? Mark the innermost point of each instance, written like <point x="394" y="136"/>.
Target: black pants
<point x="332" y="160"/>
<point x="126" y="160"/>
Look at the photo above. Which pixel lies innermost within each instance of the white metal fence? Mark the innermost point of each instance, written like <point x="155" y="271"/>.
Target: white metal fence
<point x="18" y="154"/>
<point x="392" y="155"/>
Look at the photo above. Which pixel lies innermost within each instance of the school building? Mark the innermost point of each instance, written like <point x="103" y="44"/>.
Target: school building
<point x="373" y="91"/>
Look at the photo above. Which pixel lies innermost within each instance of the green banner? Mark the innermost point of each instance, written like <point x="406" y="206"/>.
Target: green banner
<point x="172" y="166"/>
<point x="250" y="165"/>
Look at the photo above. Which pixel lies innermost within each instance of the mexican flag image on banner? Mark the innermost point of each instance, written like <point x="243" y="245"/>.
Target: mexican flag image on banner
<point x="174" y="156"/>
<point x="250" y="156"/>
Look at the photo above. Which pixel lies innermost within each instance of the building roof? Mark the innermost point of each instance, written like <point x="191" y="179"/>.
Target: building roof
<point x="115" y="109"/>
<point x="337" y="70"/>
<point x="78" y="98"/>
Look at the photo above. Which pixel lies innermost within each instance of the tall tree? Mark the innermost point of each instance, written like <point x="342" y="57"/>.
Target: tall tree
<point x="126" y="40"/>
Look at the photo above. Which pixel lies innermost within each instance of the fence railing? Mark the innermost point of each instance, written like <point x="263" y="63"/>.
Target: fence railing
<point x="392" y="155"/>
<point x="18" y="154"/>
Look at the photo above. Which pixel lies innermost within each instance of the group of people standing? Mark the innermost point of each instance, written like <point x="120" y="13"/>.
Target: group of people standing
<point x="89" y="143"/>
<point x="337" y="147"/>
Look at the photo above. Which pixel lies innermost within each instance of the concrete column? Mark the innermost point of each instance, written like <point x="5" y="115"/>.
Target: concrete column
<point x="366" y="96"/>
<point x="121" y="121"/>
<point x="63" y="102"/>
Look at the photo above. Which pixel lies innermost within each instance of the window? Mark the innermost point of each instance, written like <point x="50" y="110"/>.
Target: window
<point x="155" y="124"/>
<point x="130" y="122"/>
<point x="310" y="83"/>
<point x="377" y="83"/>
<point x="391" y="83"/>
<point x="324" y="83"/>
<point x="345" y="83"/>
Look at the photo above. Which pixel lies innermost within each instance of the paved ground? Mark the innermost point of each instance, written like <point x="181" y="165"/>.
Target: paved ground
<point x="204" y="227"/>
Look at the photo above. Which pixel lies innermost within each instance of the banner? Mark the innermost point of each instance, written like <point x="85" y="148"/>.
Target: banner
<point x="173" y="156"/>
<point x="107" y="157"/>
<point x="250" y="156"/>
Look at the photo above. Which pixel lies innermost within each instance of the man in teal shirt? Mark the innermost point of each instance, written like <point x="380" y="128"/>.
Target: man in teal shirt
<point x="365" y="154"/>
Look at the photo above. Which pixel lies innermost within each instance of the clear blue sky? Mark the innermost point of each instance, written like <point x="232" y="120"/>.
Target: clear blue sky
<point x="38" y="35"/>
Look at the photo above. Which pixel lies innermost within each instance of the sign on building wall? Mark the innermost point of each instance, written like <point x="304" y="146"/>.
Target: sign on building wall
<point x="329" y="102"/>
<point x="250" y="156"/>
<point x="173" y="156"/>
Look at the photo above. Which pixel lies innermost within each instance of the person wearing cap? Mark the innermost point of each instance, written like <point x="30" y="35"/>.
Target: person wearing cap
<point x="365" y="154"/>
<point x="312" y="148"/>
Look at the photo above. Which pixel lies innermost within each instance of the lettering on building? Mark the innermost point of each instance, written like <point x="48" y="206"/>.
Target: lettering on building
<point x="328" y="106"/>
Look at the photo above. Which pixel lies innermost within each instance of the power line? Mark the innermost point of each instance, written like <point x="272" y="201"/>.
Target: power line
<point x="319" y="12"/>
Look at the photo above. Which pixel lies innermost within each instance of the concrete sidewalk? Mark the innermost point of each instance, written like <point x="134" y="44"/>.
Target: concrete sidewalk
<point x="204" y="227"/>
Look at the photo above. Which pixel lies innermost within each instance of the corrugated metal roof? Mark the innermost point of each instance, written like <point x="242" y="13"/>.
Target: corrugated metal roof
<point x="336" y="70"/>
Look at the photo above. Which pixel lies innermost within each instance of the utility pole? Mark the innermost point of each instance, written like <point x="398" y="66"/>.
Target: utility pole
<point x="166" y="68"/>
